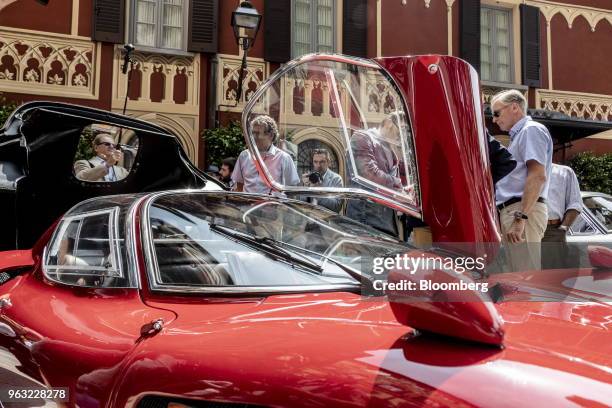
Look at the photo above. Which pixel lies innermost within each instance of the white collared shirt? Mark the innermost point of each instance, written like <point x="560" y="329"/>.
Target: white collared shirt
<point x="279" y="164"/>
<point x="563" y="193"/>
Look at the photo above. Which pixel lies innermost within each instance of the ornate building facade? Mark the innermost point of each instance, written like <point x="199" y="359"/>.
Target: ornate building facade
<point x="186" y="63"/>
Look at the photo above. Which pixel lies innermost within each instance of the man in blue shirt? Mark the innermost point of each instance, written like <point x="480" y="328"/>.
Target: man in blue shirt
<point x="521" y="195"/>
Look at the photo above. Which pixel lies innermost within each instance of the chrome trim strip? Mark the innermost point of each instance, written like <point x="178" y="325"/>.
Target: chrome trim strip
<point x="257" y="290"/>
<point x="131" y="239"/>
<point x="148" y="249"/>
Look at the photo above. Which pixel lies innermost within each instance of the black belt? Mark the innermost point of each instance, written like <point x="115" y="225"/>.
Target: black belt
<point x="516" y="200"/>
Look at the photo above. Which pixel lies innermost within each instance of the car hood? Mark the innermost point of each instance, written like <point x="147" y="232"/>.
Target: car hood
<point x="342" y="350"/>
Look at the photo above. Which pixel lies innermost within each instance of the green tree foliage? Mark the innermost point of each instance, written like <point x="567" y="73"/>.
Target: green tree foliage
<point x="223" y="142"/>
<point x="6" y="108"/>
<point x="594" y="172"/>
<point x="85" y="149"/>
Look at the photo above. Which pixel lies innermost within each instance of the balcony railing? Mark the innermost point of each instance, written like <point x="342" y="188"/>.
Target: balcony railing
<point x="575" y="104"/>
<point x="48" y="64"/>
<point x="160" y="83"/>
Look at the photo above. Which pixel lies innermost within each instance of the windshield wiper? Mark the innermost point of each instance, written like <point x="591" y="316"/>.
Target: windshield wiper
<point x="269" y="246"/>
<point x="358" y="276"/>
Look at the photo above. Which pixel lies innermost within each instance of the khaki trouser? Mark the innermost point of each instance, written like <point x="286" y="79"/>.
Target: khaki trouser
<point x="525" y="255"/>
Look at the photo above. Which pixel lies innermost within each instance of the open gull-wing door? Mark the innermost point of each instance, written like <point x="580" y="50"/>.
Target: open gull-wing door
<point x="407" y="132"/>
<point x="339" y="113"/>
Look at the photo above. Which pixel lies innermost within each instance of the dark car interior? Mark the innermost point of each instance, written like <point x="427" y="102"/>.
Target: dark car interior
<point x="38" y="146"/>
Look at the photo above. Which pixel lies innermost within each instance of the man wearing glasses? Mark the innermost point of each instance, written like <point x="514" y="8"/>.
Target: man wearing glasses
<point x="104" y="166"/>
<point x="521" y="195"/>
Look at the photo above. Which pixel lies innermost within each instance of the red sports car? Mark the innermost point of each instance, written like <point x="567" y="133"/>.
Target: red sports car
<point x="191" y="298"/>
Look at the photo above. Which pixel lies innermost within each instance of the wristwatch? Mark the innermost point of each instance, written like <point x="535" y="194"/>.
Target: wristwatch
<point x="519" y="215"/>
<point x="563" y="227"/>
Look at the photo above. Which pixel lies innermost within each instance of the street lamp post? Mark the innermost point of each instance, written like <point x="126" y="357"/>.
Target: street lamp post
<point x="245" y="22"/>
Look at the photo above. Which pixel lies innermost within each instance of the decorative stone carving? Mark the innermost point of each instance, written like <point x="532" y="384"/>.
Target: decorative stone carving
<point x="159" y="83"/>
<point x="227" y="84"/>
<point x="381" y="97"/>
<point x="165" y="90"/>
<point x="46" y="65"/>
<point x="578" y="105"/>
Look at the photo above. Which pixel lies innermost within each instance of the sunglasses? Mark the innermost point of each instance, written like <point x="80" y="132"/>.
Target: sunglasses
<point x="498" y="112"/>
<point x="108" y="144"/>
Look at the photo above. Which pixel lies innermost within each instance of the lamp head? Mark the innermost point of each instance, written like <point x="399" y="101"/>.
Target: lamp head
<point x="246" y="17"/>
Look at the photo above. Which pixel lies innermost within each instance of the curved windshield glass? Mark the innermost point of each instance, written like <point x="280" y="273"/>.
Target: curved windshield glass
<point x="351" y="112"/>
<point x="205" y="239"/>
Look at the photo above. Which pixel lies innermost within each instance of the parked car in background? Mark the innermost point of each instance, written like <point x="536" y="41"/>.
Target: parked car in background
<point x="594" y="224"/>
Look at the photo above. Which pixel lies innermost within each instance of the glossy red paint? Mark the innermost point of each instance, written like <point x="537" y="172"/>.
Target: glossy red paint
<point x="554" y="285"/>
<point x="329" y="349"/>
<point x="73" y="337"/>
<point x="343" y="351"/>
<point x="443" y="101"/>
<point x="600" y="256"/>
<point x="16" y="259"/>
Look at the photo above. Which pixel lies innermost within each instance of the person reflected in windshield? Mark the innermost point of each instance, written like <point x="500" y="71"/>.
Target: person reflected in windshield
<point x="278" y="163"/>
<point x="376" y="153"/>
<point x="104" y="166"/>
<point x="323" y="176"/>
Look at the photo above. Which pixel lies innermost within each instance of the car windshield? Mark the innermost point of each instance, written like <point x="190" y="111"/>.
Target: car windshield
<point x="201" y="240"/>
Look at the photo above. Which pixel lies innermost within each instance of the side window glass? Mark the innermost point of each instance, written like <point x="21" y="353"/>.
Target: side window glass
<point x="582" y="226"/>
<point x="85" y="252"/>
<point x="105" y="153"/>
<point x="601" y="208"/>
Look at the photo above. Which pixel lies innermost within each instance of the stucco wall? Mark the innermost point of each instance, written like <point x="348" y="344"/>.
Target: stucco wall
<point x="414" y="29"/>
<point x="31" y="15"/>
<point x="581" y="59"/>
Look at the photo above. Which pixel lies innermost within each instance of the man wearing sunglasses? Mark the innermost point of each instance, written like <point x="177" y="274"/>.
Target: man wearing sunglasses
<point x="105" y="165"/>
<point x="521" y="195"/>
